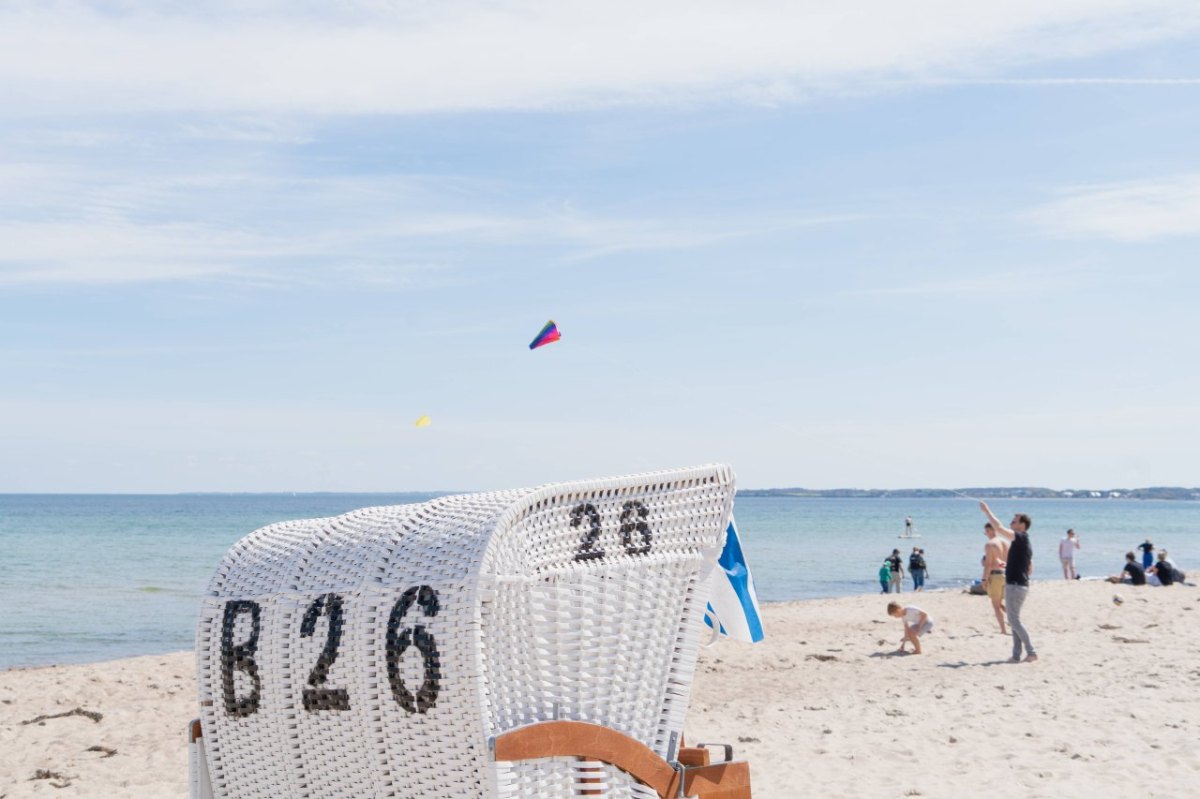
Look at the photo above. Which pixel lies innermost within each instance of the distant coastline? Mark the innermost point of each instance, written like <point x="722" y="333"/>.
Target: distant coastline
<point x="1023" y="492"/>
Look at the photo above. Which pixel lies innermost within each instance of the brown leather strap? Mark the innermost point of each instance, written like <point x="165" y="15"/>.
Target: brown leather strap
<point x="581" y="739"/>
<point x="591" y="741"/>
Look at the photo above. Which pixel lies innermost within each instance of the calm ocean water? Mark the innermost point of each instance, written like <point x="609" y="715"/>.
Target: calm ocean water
<point x="95" y="577"/>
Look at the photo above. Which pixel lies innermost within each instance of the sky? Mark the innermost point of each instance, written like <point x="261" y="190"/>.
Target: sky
<point x="244" y="246"/>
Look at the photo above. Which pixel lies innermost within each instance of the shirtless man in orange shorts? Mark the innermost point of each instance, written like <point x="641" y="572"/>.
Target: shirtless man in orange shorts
<point x="995" y="553"/>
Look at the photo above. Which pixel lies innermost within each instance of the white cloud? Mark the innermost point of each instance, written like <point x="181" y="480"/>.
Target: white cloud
<point x="602" y="237"/>
<point x="104" y="226"/>
<point x="1025" y="282"/>
<point x="412" y="57"/>
<point x="270" y="131"/>
<point x="1133" y="211"/>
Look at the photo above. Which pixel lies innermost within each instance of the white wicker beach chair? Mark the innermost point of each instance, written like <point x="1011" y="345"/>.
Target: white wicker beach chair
<point x="508" y="645"/>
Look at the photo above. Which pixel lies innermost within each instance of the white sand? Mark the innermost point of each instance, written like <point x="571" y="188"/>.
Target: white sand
<point x="819" y="709"/>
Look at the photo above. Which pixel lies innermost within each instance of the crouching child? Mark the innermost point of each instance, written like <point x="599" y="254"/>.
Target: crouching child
<point x="916" y="624"/>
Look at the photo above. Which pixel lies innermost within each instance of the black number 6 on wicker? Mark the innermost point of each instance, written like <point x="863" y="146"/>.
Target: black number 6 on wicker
<point x="398" y="642"/>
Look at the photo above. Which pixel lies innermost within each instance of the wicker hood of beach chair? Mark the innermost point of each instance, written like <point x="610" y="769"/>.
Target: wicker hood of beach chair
<point x="387" y="651"/>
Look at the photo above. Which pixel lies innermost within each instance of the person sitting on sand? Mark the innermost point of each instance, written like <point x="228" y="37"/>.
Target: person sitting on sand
<point x="916" y="624"/>
<point x="1137" y="575"/>
<point x="1180" y="577"/>
<point x="1162" y="570"/>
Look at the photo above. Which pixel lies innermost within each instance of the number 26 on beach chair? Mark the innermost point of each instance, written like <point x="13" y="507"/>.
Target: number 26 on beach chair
<point x="510" y="645"/>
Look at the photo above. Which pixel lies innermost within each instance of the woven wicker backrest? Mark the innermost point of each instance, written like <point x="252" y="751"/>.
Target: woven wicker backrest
<point x="377" y="653"/>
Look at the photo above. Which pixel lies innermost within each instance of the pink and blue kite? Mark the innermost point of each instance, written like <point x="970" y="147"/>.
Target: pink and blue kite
<point x="548" y="335"/>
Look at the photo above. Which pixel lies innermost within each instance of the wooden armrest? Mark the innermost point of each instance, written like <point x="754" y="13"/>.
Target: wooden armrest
<point x="593" y="742"/>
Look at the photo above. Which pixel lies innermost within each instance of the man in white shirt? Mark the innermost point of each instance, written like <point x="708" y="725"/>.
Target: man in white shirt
<point x="1066" y="554"/>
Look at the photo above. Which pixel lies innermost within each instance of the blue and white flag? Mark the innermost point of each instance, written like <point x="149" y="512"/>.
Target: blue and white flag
<point x="733" y="603"/>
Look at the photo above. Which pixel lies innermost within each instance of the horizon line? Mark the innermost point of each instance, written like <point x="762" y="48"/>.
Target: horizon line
<point x="444" y="492"/>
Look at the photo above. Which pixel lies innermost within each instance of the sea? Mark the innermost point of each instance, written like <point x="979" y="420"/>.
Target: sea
<point x="95" y="577"/>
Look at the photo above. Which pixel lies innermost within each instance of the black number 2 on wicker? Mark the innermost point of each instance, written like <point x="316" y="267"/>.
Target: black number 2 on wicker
<point x="588" y="549"/>
<point x="633" y="520"/>
<point x="318" y="697"/>
<point x="398" y="642"/>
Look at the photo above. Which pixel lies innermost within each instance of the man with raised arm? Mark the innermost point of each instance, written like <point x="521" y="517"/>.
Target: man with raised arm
<point x="1017" y="569"/>
<point x="995" y="551"/>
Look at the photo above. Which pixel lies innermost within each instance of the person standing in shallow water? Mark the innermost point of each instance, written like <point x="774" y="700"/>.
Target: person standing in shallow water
<point x="1066" y="554"/>
<point x="897" y="565"/>
<point x="1017" y="570"/>
<point x="1147" y="548"/>
<point x="917" y="568"/>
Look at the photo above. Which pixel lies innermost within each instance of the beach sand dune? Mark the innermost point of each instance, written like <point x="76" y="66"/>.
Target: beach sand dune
<point x="821" y="708"/>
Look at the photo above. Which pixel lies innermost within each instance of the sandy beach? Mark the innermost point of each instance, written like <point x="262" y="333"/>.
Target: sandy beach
<point x="821" y="708"/>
